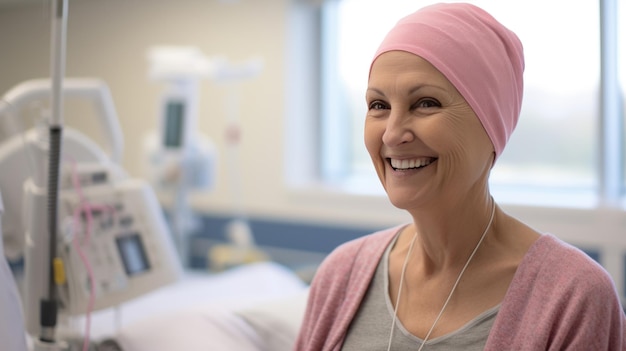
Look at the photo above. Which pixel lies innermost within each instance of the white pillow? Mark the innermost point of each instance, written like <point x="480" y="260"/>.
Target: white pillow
<point x="277" y="322"/>
<point x="190" y="330"/>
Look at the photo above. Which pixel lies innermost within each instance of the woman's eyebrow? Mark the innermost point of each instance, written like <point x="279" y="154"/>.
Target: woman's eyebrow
<point x="411" y="90"/>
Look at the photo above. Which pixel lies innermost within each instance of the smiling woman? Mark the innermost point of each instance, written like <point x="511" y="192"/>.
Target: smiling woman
<point x="444" y="92"/>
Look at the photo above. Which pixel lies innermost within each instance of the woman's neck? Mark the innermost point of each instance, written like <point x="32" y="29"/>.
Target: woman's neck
<point x="446" y="235"/>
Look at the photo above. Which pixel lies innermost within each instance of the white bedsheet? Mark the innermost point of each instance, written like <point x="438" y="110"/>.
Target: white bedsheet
<point x="252" y="307"/>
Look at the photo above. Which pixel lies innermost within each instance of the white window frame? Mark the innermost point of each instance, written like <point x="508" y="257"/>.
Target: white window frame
<point x="609" y="146"/>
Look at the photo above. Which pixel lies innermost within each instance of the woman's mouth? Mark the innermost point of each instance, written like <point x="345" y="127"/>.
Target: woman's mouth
<point x="410" y="164"/>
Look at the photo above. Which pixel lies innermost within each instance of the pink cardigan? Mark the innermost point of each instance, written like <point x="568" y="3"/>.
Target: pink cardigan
<point x="559" y="299"/>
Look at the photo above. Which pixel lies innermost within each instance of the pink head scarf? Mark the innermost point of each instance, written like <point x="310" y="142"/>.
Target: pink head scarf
<point x="483" y="59"/>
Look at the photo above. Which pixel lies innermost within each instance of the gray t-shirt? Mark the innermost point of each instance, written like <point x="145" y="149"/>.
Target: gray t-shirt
<point x="371" y="326"/>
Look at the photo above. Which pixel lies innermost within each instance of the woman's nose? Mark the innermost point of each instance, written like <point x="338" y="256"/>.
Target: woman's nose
<point x="397" y="131"/>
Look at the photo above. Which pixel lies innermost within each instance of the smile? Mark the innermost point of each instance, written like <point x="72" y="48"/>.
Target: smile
<point x="415" y="163"/>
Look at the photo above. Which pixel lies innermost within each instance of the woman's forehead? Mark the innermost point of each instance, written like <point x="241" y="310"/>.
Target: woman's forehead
<point x="406" y="68"/>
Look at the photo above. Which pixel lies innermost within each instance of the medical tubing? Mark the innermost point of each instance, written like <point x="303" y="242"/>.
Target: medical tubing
<point x="85" y="207"/>
<point x="48" y="315"/>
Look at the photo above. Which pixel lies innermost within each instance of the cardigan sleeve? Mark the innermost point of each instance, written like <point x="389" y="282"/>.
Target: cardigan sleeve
<point x="338" y="289"/>
<point x="559" y="300"/>
<point x="593" y="319"/>
<point x="327" y="293"/>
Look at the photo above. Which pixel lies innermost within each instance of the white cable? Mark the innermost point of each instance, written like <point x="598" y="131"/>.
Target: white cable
<point x="395" y="310"/>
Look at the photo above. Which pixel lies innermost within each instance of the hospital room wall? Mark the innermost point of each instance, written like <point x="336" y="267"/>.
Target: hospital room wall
<point x="109" y="40"/>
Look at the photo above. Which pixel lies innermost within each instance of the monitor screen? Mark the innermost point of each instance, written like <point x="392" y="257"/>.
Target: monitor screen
<point x="133" y="254"/>
<point x="174" y="124"/>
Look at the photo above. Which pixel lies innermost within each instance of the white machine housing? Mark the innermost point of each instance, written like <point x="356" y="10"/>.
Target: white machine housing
<point x="125" y="248"/>
<point x="129" y="252"/>
<point x="180" y="157"/>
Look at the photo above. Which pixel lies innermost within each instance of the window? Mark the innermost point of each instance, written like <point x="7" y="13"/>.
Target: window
<point x="621" y="40"/>
<point x="561" y="134"/>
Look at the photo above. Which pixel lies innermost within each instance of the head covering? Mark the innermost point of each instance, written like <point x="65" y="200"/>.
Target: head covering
<point x="483" y="59"/>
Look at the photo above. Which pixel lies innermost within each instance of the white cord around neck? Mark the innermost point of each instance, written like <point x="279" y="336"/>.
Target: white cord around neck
<point x="458" y="279"/>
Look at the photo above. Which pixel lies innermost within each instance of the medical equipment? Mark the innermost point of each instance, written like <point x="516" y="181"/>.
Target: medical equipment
<point x="48" y="297"/>
<point x="84" y="149"/>
<point x="241" y="248"/>
<point x="114" y="243"/>
<point x="181" y="158"/>
<point x="110" y="222"/>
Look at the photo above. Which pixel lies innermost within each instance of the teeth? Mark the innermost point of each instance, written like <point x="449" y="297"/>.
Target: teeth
<point x="413" y="163"/>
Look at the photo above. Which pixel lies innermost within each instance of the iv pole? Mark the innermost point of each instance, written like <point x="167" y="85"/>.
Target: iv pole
<point x="49" y="303"/>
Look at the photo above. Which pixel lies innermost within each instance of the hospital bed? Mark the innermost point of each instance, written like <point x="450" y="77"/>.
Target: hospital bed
<point x="255" y="307"/>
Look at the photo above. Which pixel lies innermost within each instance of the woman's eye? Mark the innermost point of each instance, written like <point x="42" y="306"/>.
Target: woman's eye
<point x="427" y="103"/>
<point x="377" y="105"/>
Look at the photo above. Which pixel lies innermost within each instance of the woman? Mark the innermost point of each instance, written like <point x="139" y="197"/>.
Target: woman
<point x="444" y="95"/>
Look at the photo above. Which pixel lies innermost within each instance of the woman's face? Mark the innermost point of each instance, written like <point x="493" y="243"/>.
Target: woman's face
<point x="425" y="141"/>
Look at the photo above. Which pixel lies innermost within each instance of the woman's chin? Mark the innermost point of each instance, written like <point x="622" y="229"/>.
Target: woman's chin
<point x="401" y="202"/>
